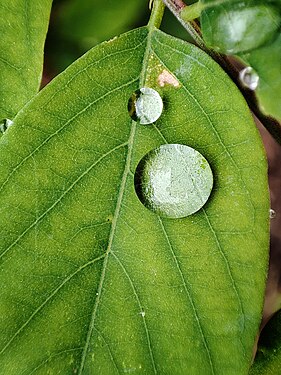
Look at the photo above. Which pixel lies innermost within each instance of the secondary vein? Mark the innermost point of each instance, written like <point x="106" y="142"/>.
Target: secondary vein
<point x="189" y="296"/>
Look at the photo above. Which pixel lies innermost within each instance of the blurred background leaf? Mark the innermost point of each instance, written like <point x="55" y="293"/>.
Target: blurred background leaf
<point x="251" y="30"/>
<point x="78" y="25"/>
<point x="266" y="61"/>
<point x="23" y="30"/>
<point x="237" y="26"/>
<point x="268" y="358"/>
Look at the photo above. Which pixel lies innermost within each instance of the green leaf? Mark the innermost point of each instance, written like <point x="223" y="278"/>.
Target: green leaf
<point x="93" y="281"/>
<point x="268" y="358"/>
<point x="266" y="62"/>
<point x="235" y="26"/>
<point x="23" y="30"/>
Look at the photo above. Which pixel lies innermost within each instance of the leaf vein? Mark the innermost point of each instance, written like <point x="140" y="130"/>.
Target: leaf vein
<point x="140" y="306"/>
<point x="108" y="348"/>
<point x="188" y="293"/>
<point x="228" y="268"/>
<point x="50" y="208"/>
<point x="61" y="129"/>
<point x="50" y="358"/>
<point x="110" y="241"/>
<point x="96" y="62"/>
<point x="48" y="299"/>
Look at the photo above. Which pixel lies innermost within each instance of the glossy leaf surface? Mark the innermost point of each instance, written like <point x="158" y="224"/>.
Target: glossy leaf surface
<point x="94" y="282"/>
<point x="23" y="29"/>
<point x="232" y="26"/>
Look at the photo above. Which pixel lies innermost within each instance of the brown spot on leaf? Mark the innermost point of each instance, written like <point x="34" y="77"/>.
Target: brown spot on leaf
<point x="167" y="78"/>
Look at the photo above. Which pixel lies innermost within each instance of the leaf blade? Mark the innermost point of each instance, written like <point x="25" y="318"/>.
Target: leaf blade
<point x="160" y="289"/>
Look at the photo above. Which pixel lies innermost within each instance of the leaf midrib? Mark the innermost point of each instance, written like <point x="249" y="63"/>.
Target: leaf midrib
<point x="126" y="172"/>
<point x="110" y="241"/>
<point x="73" y="184"/>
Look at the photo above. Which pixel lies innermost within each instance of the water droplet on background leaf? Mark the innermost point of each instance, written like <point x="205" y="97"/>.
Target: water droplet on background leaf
<point x="249" y="78"/>
<point x="272" y="214"/>
<point x="173" y="180"/>
<point x="239" y="26"/>
<point x="5" y="124"/>
<point x="145" y="105"/>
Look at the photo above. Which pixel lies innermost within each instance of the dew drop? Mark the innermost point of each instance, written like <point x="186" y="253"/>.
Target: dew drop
<point x="249" y="78"/>
<point x="173" y="180"/>
<point x="272" y="214"/>
<point x="5" y="124"/>
<point x="145" y="105"/>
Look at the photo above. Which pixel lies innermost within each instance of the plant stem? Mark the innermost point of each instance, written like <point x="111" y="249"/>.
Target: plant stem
<point x="156" y="14"/>
<point x="176" y="7"/>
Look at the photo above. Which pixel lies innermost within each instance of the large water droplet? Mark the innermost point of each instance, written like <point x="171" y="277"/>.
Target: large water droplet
<point x="145" y="105"/>
<point x="173" y="180"/>
<point x="5" y="124"/>
<point x="249" y="78"/>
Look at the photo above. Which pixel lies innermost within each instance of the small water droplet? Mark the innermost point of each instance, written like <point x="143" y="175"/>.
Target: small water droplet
<point x="272" y="214"/>
<point x="145" y="105"/>
<point x="5" y="124"/>
<point x="173" y="180"/>
<point x="249" y="78"/>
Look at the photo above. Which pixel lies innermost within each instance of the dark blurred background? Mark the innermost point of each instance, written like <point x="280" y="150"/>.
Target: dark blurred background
<point x="78" y="25"/>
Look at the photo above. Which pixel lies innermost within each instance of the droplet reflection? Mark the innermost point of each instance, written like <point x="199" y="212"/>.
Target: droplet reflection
<point x="145" y="105"/>
<point x="249" y="78"/>
<point x="173" y="180"/>
<point x="272" y="214"/>
<point x="5" y="124"/>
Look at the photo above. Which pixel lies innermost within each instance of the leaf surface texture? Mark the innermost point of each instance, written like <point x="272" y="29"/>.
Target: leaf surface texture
<point x="94" y="282"/>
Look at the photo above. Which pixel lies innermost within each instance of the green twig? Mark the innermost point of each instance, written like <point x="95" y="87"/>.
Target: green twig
<point x="176" y="7"/>
<point x="190" y="12"/>
<point x="156" y="14"/>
